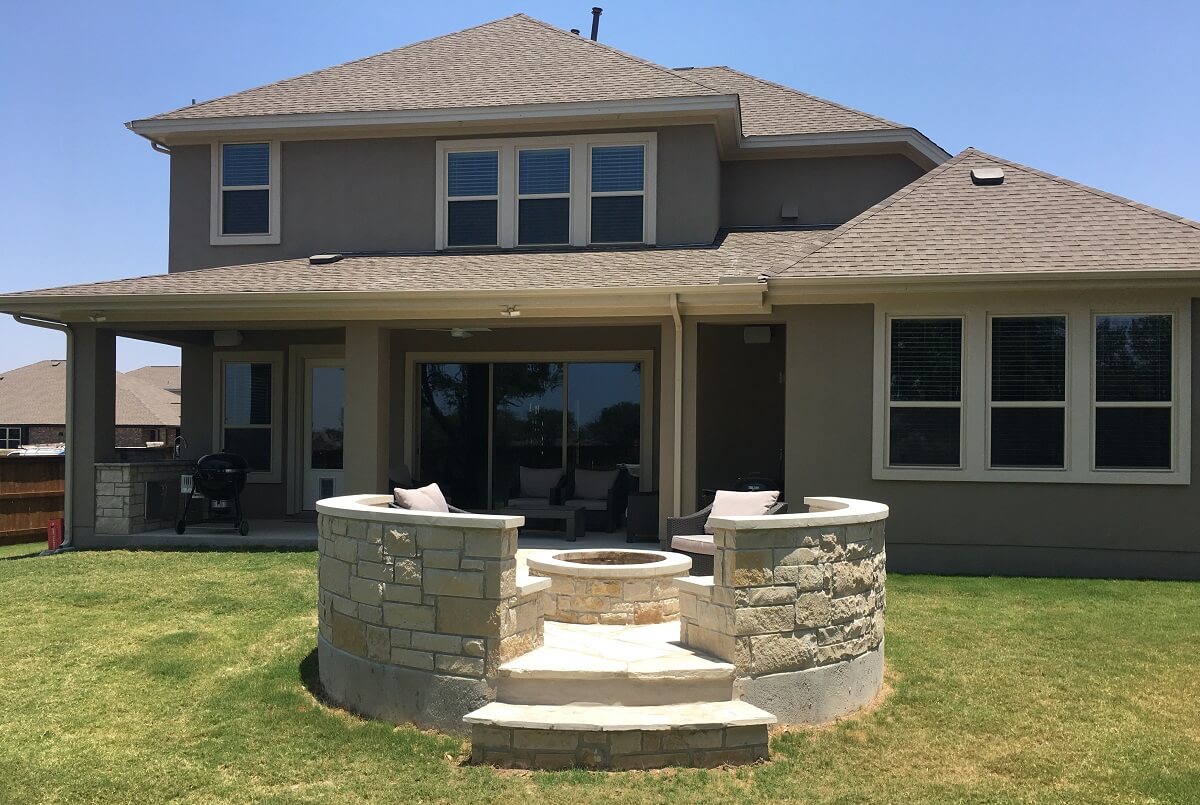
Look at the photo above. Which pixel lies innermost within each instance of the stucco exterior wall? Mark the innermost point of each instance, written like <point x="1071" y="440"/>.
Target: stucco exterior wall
<point x="379" y="195"/>
<point x="971" y="527"/>
<point x="826" y="190"/>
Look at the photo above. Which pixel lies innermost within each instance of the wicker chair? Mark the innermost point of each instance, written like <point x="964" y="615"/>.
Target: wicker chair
<point x="693" y="542"/>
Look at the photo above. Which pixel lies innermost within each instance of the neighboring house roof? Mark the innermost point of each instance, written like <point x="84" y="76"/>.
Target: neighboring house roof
<point x="167" y="378"/>
<point x="519" y="61"/>
<point x="512" y="61"/>
<point x="736" y="253"/>
<point x="36" y="395"/>
<point x="1031" y="223"/>
<point x="769" y="108"/>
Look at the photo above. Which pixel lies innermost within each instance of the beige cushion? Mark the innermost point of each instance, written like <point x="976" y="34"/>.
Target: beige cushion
<point x="426" y="499"/>
<point x="740" y="504"/>
<point x="537" y="483"/>
<point x="594" y="484"/>
<point x="694" y="543"/>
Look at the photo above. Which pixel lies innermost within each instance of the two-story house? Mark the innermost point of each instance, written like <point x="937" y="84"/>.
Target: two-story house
<point x="513" y="245"/>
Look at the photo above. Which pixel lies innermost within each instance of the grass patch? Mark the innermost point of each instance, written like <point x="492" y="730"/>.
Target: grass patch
<point x="143" y="676"/>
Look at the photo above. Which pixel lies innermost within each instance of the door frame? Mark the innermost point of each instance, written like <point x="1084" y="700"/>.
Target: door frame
<point x="298" y="356"/>
<point x="644" y="357"/>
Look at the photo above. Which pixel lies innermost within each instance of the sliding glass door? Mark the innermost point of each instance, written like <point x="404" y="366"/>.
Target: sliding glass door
<point x="480" y="422"/>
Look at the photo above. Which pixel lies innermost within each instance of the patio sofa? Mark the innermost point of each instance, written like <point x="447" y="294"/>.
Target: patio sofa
<point x="602" y="494"/>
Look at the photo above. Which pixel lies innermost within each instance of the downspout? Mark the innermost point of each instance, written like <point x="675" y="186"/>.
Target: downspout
<point x="677" y="441"/>
<point x="68" y="435"/>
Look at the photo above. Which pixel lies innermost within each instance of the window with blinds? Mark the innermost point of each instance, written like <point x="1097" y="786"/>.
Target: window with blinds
<point x="249" y="412"/>
<point x="543" y="196"/>
<point x="473" y="198"/>
<point x="1134" y="392"/>
<point x="1028" y="392"/>
<point x="925" y="392"/>
<point x="617" y="193"/>
<point x="245" y="188"/>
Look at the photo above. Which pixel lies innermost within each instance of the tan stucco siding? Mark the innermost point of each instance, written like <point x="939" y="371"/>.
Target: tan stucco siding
<point x="978" y="527"/>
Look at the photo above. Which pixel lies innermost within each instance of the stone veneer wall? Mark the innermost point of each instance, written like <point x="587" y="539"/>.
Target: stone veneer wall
<point x="121" y="495"/>
<point x="418" y="596"/>
<point x="796" y="602"/>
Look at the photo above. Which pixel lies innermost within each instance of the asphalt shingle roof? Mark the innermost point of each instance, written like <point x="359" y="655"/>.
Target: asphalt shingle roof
<point x="36" y="395"/>
<point x="1033" y="222"/>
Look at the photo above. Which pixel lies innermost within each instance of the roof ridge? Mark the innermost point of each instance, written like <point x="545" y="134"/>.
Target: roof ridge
<point x="880" y="206"/>
<point x="617" y="51"/>
<point x="808" y="95"/>
<point x="290" y="79"/>
<point x="1137" y="205"/>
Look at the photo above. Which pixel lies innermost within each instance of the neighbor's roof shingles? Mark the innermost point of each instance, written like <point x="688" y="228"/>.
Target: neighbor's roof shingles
<point x="1034" y="222"/>
<point x="36" y="395"/>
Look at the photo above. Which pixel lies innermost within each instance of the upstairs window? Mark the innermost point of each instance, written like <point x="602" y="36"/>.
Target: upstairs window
<point x="543" y="196"/>
<point x="10" y="437"/>
<point x="617" y="193"/>
<point x="473" y="198"/>
<point x="1029" y="391"/>
<point x="1134" y="392"/>
<point x="245" y="206"/>
<point x="925" y="397"/>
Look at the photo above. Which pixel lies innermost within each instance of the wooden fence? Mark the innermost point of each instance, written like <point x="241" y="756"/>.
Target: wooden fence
<point x="31" y="494"/>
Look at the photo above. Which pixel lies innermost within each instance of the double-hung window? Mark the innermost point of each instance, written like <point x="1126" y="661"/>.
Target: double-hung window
<point x="10" y="438"/>
<point x="249" y="410"/>
<point x="472" y="198"/>
<point x="245" y="202"/>
<point x="1134" y="396"/>
<point x="617" y="193"/>
<point x="1028" y="388"/>
<point x="543" y="196"/>
<point x="925" y="392"/>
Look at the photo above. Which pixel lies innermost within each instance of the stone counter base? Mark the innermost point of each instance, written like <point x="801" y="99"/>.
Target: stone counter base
<point x="516" y="748"/>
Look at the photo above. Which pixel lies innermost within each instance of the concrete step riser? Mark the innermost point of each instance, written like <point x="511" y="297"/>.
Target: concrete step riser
<point x="636" y="691"/>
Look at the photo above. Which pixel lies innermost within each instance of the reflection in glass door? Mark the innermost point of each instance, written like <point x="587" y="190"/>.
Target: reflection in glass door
<point x="605" y="415"/>
<point x="528" y="426"/>
<point x="453" y="447"/>
<point x="324" y="415"/>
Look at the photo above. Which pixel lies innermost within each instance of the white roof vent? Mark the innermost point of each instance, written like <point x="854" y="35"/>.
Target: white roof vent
<point x="990" y="175"/>
<point x="323" y="259"/>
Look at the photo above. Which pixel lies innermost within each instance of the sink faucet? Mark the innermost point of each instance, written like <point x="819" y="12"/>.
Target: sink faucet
<point x="180" y="445"/>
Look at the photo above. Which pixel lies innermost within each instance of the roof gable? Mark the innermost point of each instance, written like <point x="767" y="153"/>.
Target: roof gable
<point x="1033" y="222"/>
<point x="512" y="61"/>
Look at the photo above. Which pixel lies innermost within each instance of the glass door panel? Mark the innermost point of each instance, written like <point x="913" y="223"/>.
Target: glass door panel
<point x="528" y="421"/>
<point x="604" y="419"/>
<point x="324" y="405"/>
<point x="453" y="446"/>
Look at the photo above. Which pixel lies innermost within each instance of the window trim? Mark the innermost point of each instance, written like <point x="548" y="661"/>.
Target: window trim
<point x="508" y="185"/>
<point x="274" y="189"/>
<point x="1064" y="404"/>
<point x="1095" y="405"/>
<point x="278" y="392"/>
<point x="1080" y="449"/>
<point x="959" y="404"/>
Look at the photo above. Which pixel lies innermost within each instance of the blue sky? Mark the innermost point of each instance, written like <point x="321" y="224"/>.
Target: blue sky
<point x="1101" y="92"/>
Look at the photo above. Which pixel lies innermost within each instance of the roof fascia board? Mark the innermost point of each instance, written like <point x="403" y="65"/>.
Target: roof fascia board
<point x="154" y="128"/>
<point x="789" y="289"/>
<point x="910" y="137"/>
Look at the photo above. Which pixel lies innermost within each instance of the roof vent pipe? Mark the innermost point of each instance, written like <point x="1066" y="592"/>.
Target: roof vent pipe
<point x="596" y="12"/>
<point x="575" y="31"/>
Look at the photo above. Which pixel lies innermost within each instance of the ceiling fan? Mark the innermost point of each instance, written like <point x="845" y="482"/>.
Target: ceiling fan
<point x="456" y="332"/>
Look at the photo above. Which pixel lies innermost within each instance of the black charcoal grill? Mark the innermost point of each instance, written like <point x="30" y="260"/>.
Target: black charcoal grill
<point x="218" y="477"/>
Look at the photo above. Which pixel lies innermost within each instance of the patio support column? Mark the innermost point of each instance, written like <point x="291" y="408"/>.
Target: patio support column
<point x="196" y="410"/>
<point x="669" y="412"/>
<point x="368" y="371"/>
<point x="91" y="436"/>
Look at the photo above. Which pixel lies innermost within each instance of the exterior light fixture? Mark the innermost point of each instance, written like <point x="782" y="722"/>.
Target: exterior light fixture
<point x="98" y="317"/>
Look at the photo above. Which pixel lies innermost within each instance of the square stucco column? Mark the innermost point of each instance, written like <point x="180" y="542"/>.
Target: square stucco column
<point x="368" y="381"/>
<point x="670" y="411"/>
<point x="196" y="409"/>
<point x="91" y="435"/>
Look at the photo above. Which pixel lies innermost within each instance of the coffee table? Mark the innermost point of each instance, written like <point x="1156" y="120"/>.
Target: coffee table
<point x="572" y="517"/>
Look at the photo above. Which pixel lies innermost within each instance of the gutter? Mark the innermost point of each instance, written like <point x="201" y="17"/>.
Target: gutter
<point x="68" y="458"/>
<point x="677" y="437"/>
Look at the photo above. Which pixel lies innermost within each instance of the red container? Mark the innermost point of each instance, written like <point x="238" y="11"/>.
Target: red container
<point x="54" y="534"/>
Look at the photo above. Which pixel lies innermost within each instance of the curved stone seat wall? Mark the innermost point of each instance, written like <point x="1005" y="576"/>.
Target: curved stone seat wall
<point x="417" y="610"/>
<point x="796" y="602"/>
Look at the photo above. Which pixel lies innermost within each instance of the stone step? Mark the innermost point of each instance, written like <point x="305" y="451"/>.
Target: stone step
<point x="701" y="734"/>
<point x="618" y="665"/>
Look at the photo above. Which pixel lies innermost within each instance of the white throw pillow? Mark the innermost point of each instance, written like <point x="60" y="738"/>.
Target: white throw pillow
<point x="594" y="484"/>
<point x="426" y="499"/>
<point x="740" y="504"/>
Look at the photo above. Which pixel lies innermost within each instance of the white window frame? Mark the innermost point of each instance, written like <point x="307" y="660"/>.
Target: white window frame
<point x="569" y="195"/>
<point x="1080" y="311"/>
<point x="962" y="385"/>
<point x="1064" y="404"/>
<point x="6" y="436"/>
<point x="591" y="194"/>
<point x="507" y="185"/>
<point x="1097" y="404"/>
<point x="444" y="207"/>
<point x="274" y="188"/>
<point x="278" y="392"/>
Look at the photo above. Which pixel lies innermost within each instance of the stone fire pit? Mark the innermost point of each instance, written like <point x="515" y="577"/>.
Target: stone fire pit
<point x="611" y="586"/>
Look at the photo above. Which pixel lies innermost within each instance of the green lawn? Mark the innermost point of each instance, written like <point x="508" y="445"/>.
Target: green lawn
<point x="153" y="677"/>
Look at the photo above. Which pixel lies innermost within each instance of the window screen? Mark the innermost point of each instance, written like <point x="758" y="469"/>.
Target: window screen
<point x="925" y="392"/>
<point x="472" y="186"/>
<point x="544" y="201"/>
<point x="1134" y="392"/>
<point x="618" y="193"/>
<point x="245" y="188"/>
<point x="1028" y="391"/>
